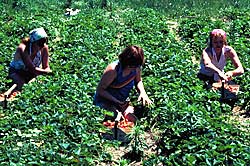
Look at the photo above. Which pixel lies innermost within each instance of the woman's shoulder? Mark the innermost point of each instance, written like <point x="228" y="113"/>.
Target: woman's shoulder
<point x="207" y="51"/>
<point x="46" y="47"/>
<point x="21" y="48"/>
<point x="229" y="51"/>
<point x="112" y="66"/>
<point x="228" y="48"/>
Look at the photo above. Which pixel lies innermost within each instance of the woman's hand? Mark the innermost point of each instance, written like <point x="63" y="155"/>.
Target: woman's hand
<point x="145" y="99"/>
<point x="229" y="75"/>
<point x="47" y="70"/>
<point x="122" y="106"/>
<point x="223" y="76"/>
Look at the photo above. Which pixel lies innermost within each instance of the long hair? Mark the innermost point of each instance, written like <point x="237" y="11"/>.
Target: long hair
<point x="26" y="42"/>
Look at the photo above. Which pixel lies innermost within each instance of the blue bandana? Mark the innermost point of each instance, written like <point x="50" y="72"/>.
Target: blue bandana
<point x="37" y="34"/>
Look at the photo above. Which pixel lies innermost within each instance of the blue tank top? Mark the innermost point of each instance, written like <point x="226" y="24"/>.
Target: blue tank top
<point x="122" y="93"/>
<point x="117" y="89"/>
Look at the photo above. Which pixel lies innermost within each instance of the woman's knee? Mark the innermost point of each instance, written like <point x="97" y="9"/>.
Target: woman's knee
<point x="130" y="110"/>
<point x="201" y="76"/>
<point x="17" y="79"/>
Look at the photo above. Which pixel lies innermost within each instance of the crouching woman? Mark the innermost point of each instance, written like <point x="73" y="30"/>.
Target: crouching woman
<point x="31" y="53"/>
<point x="118" y="80"/>
<point x="214" y="59"/>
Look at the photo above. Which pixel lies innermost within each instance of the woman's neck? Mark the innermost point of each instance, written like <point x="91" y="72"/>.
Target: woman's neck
<point x="126" y="71"/>
<point x="218" y="52"/>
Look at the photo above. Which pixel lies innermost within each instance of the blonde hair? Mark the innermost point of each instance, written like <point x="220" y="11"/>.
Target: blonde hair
<point x="217" y="33"/>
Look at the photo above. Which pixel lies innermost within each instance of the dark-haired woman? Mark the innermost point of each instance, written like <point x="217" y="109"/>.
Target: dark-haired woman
<point x="31" y="53"/>
<point x="214" y="58"/>
<point x="118" y="80"/>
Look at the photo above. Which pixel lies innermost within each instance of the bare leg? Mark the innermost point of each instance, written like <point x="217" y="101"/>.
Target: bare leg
<point x="129" y="114"/>
<point x="110" y="108"/>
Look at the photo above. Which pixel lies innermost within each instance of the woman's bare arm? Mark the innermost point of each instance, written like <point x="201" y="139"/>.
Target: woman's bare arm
<point x="208" y="64"/>
<point x="231" y="53"/>
<point x="107" y="78"/>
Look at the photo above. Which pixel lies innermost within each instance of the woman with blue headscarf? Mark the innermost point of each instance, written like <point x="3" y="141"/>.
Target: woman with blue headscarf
<point x="30" y="59"/>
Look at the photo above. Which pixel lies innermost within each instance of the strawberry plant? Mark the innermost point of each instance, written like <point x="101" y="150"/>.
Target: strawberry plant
<point x="53" y="121"/>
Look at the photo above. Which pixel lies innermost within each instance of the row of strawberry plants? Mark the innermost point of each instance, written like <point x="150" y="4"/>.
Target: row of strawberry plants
<point x="60" y="106"/>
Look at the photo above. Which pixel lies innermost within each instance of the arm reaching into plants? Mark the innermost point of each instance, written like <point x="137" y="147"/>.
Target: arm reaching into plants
<point x="142" y="93"/>
<point x="231" y="53"/>
<point x="208" y="64"/>
<point x="45" y="62"/>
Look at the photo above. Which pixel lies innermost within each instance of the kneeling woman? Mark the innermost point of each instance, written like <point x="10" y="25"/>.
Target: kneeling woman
<point x="30" y="54"/>
<point x="118" y="80"/>
<point x="214" y="57"/>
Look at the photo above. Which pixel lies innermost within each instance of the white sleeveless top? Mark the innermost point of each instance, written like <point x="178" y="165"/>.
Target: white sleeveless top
<point x="18" y="64"/>
<point x="219" y="63"/>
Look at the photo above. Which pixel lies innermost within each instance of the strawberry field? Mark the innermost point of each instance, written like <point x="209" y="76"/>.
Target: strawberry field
<point x="54" y="122"/>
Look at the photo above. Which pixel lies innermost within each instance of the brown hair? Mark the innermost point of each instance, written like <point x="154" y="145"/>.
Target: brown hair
<point x="132" y="56"/>
<point x="25" y="40"/>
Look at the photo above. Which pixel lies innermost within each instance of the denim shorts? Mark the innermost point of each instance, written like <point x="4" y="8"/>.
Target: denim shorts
<point x="26" y="75"/>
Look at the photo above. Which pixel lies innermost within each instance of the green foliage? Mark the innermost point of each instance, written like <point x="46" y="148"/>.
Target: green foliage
<point x="185" y="7"/>
<point x="54" y="122"/>
<point x="137" y="144"/>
